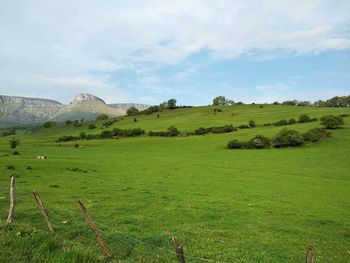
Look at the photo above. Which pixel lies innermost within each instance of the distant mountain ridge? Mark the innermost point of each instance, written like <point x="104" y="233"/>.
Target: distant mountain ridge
<point x="15" y="110"/>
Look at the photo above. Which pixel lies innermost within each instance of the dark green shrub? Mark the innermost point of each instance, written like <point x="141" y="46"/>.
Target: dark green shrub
<point x="69" y="122"/>
<point x="259" y="142"/>
<point x="235" y="144"/>
<point x="132" y="111"/>
<point x="267" y="124"/>
<point x="343" y="115"/>
<point x="303" y="118"/>
<point x="243" y="126"/>
<point x="135" y="120"/>
<point x="332" y="122"/>
<point x="13" y="143"/>
<point x="10" y="167"/>
<point x="292" y="121"/>
<point x="82" y="135"/>
<point x="316" y="134"/>
<point x="91" y="126"/>
<point x="222" y="129"/>
<point x="173" y="131"/>
<point x="15" y="153"/>
<point x="67" y="138"/>
<point x="201" y="131"/>
<point x="29" y="168"/>
<point x="252" y="123"/>
<point x="77" y="124"/>
<point x="8" y="132"/>
<point x="281" y="123"/>
<point x="287" y="138"/>
<point x="102" y="117"/>
<point x="49" y="124"/>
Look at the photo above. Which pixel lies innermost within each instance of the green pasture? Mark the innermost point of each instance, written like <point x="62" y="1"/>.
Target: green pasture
<point x="223" y="205"/>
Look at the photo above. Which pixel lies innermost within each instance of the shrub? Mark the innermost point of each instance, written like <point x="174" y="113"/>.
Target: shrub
<point x="201" y="131"/>
<point x="13" y="143"/>
<point x="259" y="142"/>
<point x="243" y="126"/>
<point x="267" y="124"/>
<point x="252" y="123"/>
<point x="281" y="123"/>
<point x="67" y="138"/>
<point x="235" y="144"/>
<point x="135" y="120"/>
<point x="343" y="115"/>
<point x="69" y="122"/>
<point x="332" y="122"/>
<point x="29" y="168"/>
<point x="287" y="138"/>
<point x="91" y="126"/>
<point x="173" y="131"/>
<point x="221" y="129"/>
<point x="303" y="118"/>
<point x="15" y="153"/>
<point x="102" y="116"/>
<point x="8" y="132"/>
<point x="292" y="121"/>
<point x="77" y="124"/>
<point x="132" y="111"/>
<point x="10" y="167"/>
<point x="82" y="135"/>
<point x="49" y="124"/>
<point x="316" y="134"/>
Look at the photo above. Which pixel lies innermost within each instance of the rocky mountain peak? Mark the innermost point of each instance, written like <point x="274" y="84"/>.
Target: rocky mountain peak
<point x="85" y="97"/>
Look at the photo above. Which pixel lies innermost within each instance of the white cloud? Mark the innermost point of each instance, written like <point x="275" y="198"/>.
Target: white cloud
<point x="64" y="43"/>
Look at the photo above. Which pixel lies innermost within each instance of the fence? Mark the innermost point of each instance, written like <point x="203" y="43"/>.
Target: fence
<point x="60" y="216"/>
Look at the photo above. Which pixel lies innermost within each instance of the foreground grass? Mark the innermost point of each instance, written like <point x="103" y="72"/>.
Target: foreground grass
<point x="228" y="206"/>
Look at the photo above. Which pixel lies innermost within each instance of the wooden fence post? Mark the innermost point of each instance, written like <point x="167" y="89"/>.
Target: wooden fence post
<point x="178" y="250"/>
<point x="310" y="254"/>
<point x="43" y="212"/>
<point x="12" y="201"/>
<point x="97" y="231"/>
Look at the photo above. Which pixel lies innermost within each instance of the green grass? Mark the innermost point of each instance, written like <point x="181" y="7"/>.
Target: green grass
<point x="224" y="205"/>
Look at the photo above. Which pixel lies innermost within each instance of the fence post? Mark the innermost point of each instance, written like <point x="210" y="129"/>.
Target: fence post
<point x="12" y="201"/>
<point x="97" y="231"/>
<point x="43" y="212"/>
<point x="310" y="254"/>
<point x="178" y="250"/>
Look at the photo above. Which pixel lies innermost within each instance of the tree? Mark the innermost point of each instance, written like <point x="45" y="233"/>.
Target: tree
<point x="102" y="117"/>
<point x="132" y="111"/>
<point x="171" y="104"/>
<point x="219" y="101"/>
<point x="13" y="143"/>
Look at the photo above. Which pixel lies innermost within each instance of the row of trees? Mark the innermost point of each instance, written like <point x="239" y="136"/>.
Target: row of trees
<point x="170" y="104"/>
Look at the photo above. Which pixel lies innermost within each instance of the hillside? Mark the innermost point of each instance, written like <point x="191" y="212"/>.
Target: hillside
<point x="17" y="111"/>
<point x="224" y="205"/>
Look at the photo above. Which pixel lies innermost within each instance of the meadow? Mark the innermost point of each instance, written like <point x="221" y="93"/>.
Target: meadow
<point x="224" y="205"/>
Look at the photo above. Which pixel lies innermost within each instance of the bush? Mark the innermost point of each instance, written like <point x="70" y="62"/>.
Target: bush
<point x="287" y="138"/>
<point x="15" y="153"/>
<point x="173" y="131"/>
<point x="77" y="124"/>
<point x="13" y="143"/>
<point x="259" y="142"/>
<point x="332" y="122"/>
<point x="10" y="167"/>
<point x="8" y="132"/>
<point x="267" y="124"/>
<point x="201" y="131"/>
<point x="281" y="123"/>
<point x="243" y="126"/>
<point x="316" y="134"/>
<point x="235" y="144"/>
<point x="69" y="122"/>
<point x="221" y="129"/>
<point x="67" y="138"/>
<point x="49" y="124"/>
<point x="252" y="123"/>
<point x="132" y="111"/>
<point x="91" y="126"/>
<point x="304" y="118"/>
<point x="102" y="117"/>
<point x="292" y="121"/>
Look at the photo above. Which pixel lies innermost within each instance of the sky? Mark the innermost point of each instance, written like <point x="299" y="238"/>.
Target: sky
<point x="190" y="50"/>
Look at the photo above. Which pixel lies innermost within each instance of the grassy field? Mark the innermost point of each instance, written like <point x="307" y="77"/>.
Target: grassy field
<point x="223" y="205"/>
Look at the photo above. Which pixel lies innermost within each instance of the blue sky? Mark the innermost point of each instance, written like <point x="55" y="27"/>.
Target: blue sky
<point x="150" y="51"/>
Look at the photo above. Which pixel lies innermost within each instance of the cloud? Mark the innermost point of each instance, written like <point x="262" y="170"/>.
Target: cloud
<point x="68" y="43"/>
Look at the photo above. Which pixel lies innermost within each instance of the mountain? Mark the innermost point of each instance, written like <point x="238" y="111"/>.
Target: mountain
<point x="20" y="110"/>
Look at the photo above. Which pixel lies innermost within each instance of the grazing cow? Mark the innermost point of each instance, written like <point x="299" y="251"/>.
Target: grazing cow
<point x="41" y="157"/>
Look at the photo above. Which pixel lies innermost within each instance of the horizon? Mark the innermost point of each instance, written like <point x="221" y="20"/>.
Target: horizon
<point x="192" y="51"/>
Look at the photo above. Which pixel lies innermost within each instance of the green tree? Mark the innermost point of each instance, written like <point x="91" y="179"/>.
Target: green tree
<point x="219" y="101"/>
<point x="102" y="116"/>
<point x="171" y="104"/>
<point x="132" y="111"/>
<point x="13" y="143"/>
